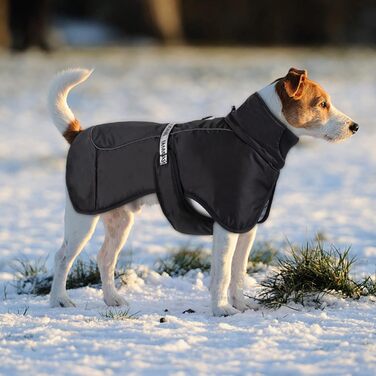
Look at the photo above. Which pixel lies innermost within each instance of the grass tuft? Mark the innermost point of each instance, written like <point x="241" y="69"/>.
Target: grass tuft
<point x="261" y="255"/>
<point x="181" y="261"/>
<point x="83" y="274"/>
<point x="368" y="286"/>
<point x="32" y="277"/>
<point x="20" y="312"/>
<point x="25" y="268"/>
<point x="118" y="314"/>
<point x="308" y="274"/>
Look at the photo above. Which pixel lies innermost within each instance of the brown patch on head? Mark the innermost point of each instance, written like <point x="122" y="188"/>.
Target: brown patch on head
<point x="74" y="128"/>
<point x="304" y="102"/>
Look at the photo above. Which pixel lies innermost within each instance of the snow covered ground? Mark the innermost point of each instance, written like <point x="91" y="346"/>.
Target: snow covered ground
<point x="324" y="187"/>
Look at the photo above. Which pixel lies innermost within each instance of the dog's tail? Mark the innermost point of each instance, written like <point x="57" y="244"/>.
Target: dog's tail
<point x="62" y="115"/>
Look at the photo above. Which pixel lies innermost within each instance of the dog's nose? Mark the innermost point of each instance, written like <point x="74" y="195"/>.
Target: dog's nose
<point x="354" y="127"/>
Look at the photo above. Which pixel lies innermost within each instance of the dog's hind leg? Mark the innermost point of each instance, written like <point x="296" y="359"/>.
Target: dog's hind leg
<point x="117" y="223"/>
<point x="78" y="230"/>
<point x="239" y="268"/>
<point x="224" y="243"/>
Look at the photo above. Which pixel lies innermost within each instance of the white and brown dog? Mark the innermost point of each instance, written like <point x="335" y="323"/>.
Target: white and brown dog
<point x="300" y="103"/>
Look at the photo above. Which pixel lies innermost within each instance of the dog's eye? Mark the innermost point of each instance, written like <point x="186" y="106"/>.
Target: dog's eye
<point x="324" y="104"/>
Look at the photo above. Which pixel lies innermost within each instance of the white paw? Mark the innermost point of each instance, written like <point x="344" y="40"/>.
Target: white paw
<point x="114" y="300"/>
<point x="252" y="304"/>
<point x="61" y="301"/>
<point x="224" y="310"/>
<point x="243" y="303"/>
<point x="239" y="304"/>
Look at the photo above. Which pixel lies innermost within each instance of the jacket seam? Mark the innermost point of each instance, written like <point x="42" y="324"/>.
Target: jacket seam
<point x="96" y="180"/>
<point x="114" y="206"/>
<point x="256" y="147"/>
<point x="152" y="137"/>
<point x="214" y="215"/>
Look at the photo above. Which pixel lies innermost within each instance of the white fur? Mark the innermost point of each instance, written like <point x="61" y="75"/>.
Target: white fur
<point x="239" y="269"/>
<point x="271" y="99"/>
<point x="224" y="244"/>
<point x="230" y="251"/>
<point x="335" y="129"/>
<point x="78" y="230"/>
<point x="63" y="83"/>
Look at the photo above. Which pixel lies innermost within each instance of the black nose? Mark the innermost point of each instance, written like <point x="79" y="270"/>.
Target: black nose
<point x="354" y="127"/>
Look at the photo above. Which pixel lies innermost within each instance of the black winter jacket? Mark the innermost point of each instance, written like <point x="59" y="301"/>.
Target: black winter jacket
<point x="230" y="165"/>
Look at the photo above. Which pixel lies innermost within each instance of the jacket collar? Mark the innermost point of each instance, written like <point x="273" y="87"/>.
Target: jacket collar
<point x="255" y="124"/>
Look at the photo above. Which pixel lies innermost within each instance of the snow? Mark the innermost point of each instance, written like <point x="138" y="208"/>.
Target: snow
<point x="324" y="187"/>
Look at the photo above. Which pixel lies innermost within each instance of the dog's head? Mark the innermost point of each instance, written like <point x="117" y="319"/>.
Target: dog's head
<point x="308" y="108"/>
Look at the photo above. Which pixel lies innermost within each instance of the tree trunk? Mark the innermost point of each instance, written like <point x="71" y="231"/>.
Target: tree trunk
<point x="4" y="25"/>
<point x="166" y="15"/>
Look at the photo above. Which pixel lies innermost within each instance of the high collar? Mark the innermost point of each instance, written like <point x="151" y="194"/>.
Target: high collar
<point x="255" y="124"/>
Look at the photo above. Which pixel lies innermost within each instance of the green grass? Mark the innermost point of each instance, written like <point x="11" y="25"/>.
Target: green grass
<point x="368" y="286"/>
<point x="261" y="255"/>
<point x="311" y="272"/>
<point x="25" y="268"/>
<point x="118" y="314"/>
<point x="181" y="261"/>
<point x="83" y="274"/>
<point x="303" y="277"/>
<point x="32" y="277"/>
<point x="20" y="311"/>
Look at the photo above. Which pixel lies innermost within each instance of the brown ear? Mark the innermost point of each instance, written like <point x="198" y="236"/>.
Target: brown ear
<point x="294" y="82"/>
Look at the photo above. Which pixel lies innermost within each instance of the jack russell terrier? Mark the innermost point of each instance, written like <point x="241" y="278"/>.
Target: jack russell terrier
<point x="211" y="176"/>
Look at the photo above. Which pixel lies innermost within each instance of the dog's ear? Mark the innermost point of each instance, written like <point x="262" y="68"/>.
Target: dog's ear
<point x="294" y="82"/>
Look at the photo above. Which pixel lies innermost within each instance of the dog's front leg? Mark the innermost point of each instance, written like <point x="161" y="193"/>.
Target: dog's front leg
<point x="224" y="243"/>
<point x="238" y="270"/>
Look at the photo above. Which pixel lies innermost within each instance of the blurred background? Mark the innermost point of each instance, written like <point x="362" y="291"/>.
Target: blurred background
<point x="48" y="24"/>
<point x="178" y="60"/>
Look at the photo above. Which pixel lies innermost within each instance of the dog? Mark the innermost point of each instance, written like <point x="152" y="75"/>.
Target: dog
<point x="299" y="103"/>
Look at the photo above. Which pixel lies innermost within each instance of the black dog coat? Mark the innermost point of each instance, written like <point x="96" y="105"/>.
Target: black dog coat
<point x="229" y="165"/>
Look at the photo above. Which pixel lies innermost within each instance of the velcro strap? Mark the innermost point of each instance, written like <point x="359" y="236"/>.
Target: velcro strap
<point x="163" y="144"/>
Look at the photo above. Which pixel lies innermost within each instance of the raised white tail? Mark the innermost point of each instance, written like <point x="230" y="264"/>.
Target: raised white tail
<point x="61" y="114"/>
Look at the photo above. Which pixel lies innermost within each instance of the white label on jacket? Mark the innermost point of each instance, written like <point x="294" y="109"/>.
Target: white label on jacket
<point x="163" y="143"/>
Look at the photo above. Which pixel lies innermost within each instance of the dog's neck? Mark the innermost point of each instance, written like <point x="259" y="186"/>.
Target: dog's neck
<point x="272" y="100"/>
